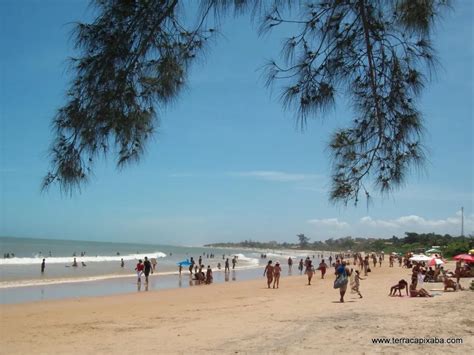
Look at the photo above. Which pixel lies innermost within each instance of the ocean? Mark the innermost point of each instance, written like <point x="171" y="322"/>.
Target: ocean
<point x="99" y="270"/>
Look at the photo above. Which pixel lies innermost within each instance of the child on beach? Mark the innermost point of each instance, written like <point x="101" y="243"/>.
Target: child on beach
<point x="402" y="284"/>
<point x="269" y="272"/>
<point x="357" y="279"/>
<point x="276" y="275"/>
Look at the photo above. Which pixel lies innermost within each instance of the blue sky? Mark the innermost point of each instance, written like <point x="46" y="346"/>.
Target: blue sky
<point x="227" y="163"/>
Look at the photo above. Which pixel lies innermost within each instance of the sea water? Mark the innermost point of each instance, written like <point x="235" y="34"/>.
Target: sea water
<point x="99" y="270"/>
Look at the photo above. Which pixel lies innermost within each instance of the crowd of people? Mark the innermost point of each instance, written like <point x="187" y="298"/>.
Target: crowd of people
<point x="348" y="268"/>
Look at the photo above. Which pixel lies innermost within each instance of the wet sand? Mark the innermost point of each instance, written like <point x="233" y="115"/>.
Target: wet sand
<point x="244" y="317"/>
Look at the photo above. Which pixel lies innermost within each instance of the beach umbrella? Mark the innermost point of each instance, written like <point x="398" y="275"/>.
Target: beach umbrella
<point x="435" y="262"/>
<point x="420" y="257"/>
<point x="465" y="257"/>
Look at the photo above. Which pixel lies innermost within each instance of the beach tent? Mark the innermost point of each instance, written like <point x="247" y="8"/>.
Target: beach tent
<point x="420" y="257"/>
<point x="465" y="257"/>
<point x="433" y="251"/>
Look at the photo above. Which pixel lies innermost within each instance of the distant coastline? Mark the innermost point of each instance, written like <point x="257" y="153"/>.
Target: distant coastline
<point x="411" y="242"/>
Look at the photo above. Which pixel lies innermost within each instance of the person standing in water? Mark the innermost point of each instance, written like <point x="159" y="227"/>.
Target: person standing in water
<point x="139" y="270"/>
<point x="290" y="263"/>
<point x="226" y="268"/>
<point x="234" y="261"/>
<point x="300" y="266"/>
<point x="153" y="264"/>
<point x="122" y="263"/>
<point x="269" y="273"/>
<point x="147" y="268"/>
<point x="43" y="265"/>
<point x="191" y="266"/>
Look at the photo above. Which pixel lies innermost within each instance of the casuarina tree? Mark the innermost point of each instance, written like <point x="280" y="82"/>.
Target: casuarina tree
<point x="134" y="59"/>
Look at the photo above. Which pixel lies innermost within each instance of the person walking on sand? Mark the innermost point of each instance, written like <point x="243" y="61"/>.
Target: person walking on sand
<point x="147" y="268"/>
<point x="269" y="272"/>
<point x="139" y="270"/>
<point x="356" y="285"/>
<point x="300" y="266"/>
<point x="43" y="265"/>
<point x="343" y="271"/>
<point x="276" y="275"/>
<point x="309" y="271"/>
<point x="322" y="266"/>
<point x="366" y="265"/>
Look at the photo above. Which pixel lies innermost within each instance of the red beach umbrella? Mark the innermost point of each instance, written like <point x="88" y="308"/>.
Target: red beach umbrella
<point x="464" y="257"/>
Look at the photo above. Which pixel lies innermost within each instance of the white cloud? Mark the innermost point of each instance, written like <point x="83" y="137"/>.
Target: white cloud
<point x="278" y="176"/>
<point x="383" y="228"/>
<point x="414" y="223"/>
<point x="329" y="223"/>
<point x="367" y="220"/>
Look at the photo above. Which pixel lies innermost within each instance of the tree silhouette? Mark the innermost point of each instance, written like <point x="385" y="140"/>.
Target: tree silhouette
<point x="135" y="57"/>
<point x="303" y="240"/>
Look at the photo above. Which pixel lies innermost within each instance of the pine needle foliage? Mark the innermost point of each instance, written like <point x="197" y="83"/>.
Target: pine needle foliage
<point x="134" y="59"/>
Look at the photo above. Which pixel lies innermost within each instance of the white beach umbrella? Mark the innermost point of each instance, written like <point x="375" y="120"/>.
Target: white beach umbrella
<point x="420" y="257"/>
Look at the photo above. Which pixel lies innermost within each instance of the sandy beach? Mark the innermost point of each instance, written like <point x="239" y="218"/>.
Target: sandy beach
<point x="244" y="317"/>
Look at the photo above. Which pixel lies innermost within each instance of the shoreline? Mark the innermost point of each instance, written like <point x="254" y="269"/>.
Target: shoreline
<point x="117" y="285"/>
<point x="245" y="317"/>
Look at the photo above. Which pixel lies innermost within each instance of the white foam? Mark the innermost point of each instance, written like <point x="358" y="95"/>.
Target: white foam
<point x="86" y="259"/>
<point x="242" y="257"/>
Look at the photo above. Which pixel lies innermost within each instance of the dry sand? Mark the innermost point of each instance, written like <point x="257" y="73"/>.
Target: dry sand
<point x="243" y="317"/>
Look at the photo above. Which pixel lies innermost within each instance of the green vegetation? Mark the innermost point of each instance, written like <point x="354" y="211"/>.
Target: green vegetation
<point x="448" y="244"/>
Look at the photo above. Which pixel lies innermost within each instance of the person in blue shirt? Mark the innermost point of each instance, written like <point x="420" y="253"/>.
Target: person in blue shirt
<point x="343" y="271"/>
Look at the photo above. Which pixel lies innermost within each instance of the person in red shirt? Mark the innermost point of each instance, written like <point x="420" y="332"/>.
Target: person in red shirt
<point x="139" y="270"/>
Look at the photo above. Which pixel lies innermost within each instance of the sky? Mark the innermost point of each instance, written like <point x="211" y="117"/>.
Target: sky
<point x="228" y="162"/>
